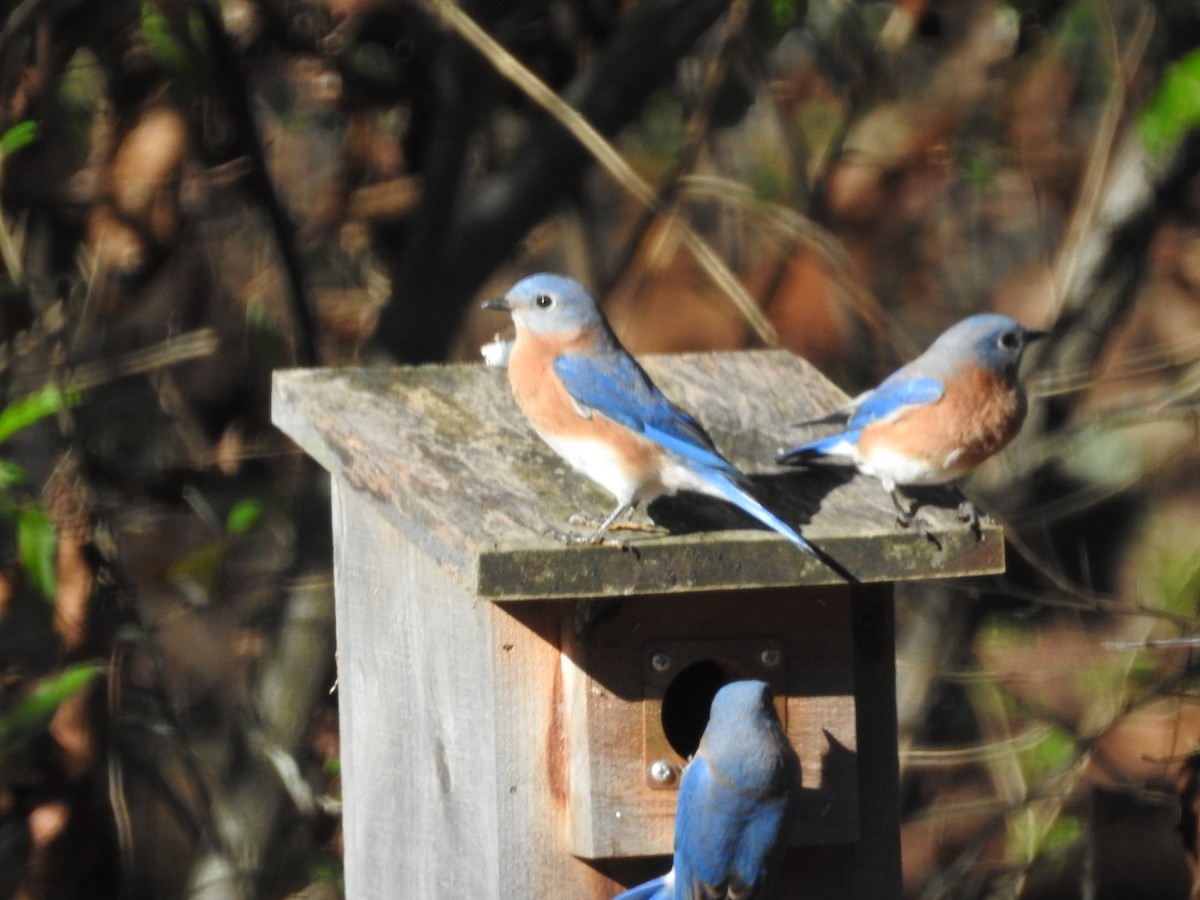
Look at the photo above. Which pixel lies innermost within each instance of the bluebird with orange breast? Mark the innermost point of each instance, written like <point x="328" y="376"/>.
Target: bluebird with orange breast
<point x="937" y="418"/>
<point x="594" y="405"/>
<point x="737" y="802"/>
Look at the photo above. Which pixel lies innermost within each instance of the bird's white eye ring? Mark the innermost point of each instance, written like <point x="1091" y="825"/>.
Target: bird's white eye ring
<point x="543" y="301"/>
<point x="1009" y="340"/>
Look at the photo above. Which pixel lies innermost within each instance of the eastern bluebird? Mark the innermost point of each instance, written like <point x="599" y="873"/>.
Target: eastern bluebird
<point x="736" y="803"/>
<point x="937" y="418"/>
<point x="594" y="405"/>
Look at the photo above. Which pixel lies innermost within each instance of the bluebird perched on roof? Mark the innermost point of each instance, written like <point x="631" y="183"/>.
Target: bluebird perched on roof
<point x="737" y="801"/>
<point x="594" y="405"/>
<point x="937" y="418"/>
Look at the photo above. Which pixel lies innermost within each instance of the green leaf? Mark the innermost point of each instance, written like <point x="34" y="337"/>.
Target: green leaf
<point x="784" y="14"/>
<point x="1049" y="756"/>
<point x="34" y="407"/>
<point x="197" y="572"/>
<point x="243" y="516"/>
<point x="1063" y="834"/>
<point x="18" y="136"/>
<point x="1177" y="581"/>
<point x="11" y="475"/>
<point x="1174" y="109"/>
<point x="29" y="718"/>
<point x="37" y="547"/>
<point x="328" y="869"/>
<point x="197" y="30"/>
<point x="165" y="47"/>
<point x="979" y="169"/>
<point x="1034" y="836"/>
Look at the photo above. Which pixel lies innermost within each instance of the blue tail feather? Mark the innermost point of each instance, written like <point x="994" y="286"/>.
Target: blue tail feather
<point x="816" y="451"/>
<point x="741" y="498"/>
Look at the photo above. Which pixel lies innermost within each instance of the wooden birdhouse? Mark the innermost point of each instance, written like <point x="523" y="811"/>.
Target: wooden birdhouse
<point x="515" y="711"/>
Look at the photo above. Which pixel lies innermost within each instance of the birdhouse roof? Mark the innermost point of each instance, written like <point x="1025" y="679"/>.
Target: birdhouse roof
<point x="449" y="461"/>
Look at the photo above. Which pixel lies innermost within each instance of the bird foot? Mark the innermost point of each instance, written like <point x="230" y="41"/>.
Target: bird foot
<point x="912" y="520"/>
<point x="969" y="513"/>
<point x="575" y="539"/>
<point x="583" y="521"/>
<point x="599" y="535"/>
<point x="639" y="527"/>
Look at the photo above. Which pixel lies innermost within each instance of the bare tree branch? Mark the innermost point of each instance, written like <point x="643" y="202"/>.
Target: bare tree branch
<point x="429" y="293"/>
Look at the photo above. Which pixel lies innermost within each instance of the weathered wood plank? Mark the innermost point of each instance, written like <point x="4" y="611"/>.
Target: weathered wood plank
<point x="454" y="777"/>
<point x="869" y="867"/>
<point x="490" y="746"/>
<point x="446" y="453"/>
<point x="615" y="813"/>
<point x="459" y="721"/>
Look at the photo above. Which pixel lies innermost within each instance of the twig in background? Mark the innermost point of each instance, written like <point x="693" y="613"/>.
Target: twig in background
<point x="1080" y="229"/>
<point x="695" y="134"/>
<point x="605" y="154"/>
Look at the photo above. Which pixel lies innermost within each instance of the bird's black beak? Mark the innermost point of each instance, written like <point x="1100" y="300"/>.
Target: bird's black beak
<point x="1031" y="336"/>
<point x="499" y="303"/>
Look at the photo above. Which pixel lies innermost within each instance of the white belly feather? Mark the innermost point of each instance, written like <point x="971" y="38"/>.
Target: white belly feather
<point x="895" y="468"/>
<point x="599" y="462"/>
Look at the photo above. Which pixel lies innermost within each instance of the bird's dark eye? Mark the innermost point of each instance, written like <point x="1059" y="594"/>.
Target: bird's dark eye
<point x="544" y="301"/>
<point x="1010" y="340"/>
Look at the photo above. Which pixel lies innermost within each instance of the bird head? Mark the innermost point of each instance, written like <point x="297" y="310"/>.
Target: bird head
<point x="739" y="702"/>
<point x="549" y="304"/>
<point x="990" y="340"/>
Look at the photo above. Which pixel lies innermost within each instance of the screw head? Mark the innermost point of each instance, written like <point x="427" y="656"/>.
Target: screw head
<point x="662" y="771"/>
<point x="660" y="661"/>
<point x="770" y="657"/>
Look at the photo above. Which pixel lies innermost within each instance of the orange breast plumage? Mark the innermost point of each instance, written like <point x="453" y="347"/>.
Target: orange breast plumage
<point x="976" y="417"/>
<point x="625" y="463"/>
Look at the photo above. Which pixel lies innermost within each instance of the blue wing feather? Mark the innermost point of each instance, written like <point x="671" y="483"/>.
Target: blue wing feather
<point x="893" y="395"/>
<point x="656" y="889"/>
<point x="759" y="842"/>
<point x="614" y="385"/>
<point x="696" y="832"/>
<point x="715" y="828"/>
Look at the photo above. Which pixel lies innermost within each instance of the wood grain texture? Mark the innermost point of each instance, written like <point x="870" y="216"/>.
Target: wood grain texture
<point x="616" y="697"/>
<point x="453" y="765"/>
<point x="458" y="472"/>
<point x="500" y="749"/>
<point x="870" y="866"/>
<point x="476" y="736"/>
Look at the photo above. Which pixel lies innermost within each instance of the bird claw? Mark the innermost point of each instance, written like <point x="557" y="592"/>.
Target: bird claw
<point x="596" y="537"/>
<point x="912" y="520"/>
<point x="575" y="539"/>
<point x="640" y="527"/>
<point x="612" y="523"/>
<point x="569" y="537"/>
<point x="969" y="513"/>
<point x="583" y="521"/>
